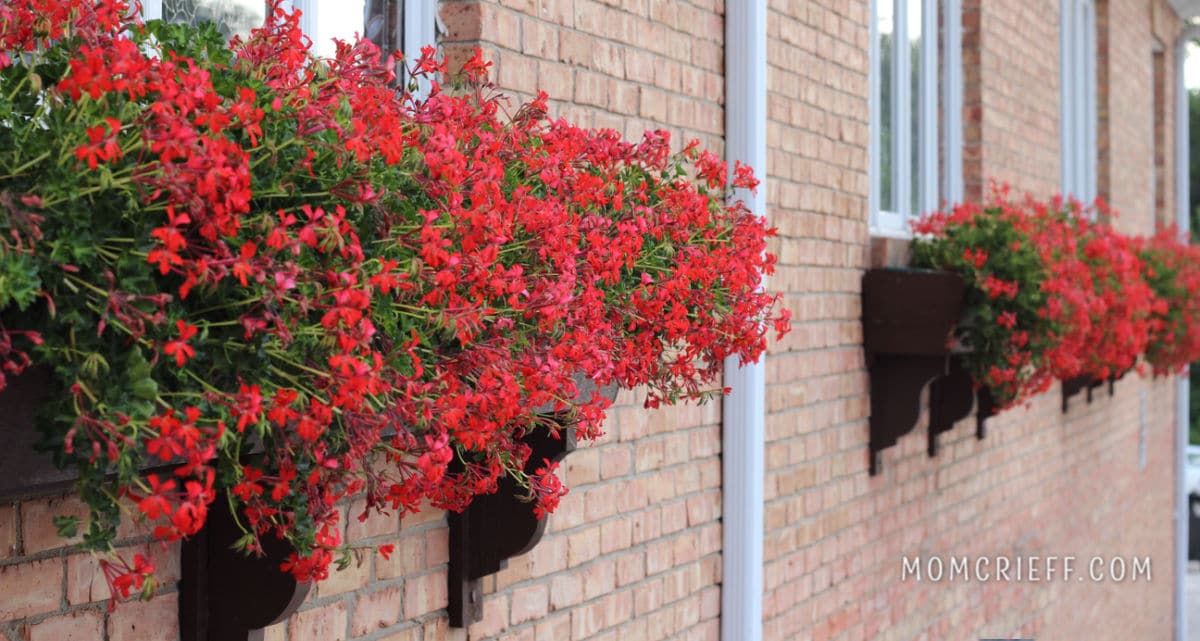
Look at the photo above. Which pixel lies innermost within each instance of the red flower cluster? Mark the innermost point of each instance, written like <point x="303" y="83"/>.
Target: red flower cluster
<point x="1173" y="273"/>
<point x="384" y="294"/>
<point x="1053" y="294"/>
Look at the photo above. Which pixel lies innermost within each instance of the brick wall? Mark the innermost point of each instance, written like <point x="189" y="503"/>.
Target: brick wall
<point x="634" y="551"/>
<point x="1042" y="483"/>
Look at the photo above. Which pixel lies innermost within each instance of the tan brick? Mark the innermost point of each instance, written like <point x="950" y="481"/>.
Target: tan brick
<point x="495" y="617"/>
<point x="353" y="577"/>
<point x="529" y="603"/>
<point x="540" y="39"/>
<point x="566" y="590"/>
<point x="152" y="620"/>
<point x="407" y="557"/>
<point x="461" y="20"/>
<point x="30" y="588"/>
<point x="375" y="610"/>
<point x="326" y="623"/>
<point x="84" y="625"/>
<point x="583" y="546"/>
<point x="8" y="532"/>
<point x="424" y="594"/>
<point x="85" y="581"/>
<point x="414" y="634"/>
<point x="437" y="547"/>
<point x="375" y="525"/>
<point x="37" y="523"/>
<point x="587" y="620"/>
<point x="553" y="628"/>
<point x="599" y="578"/>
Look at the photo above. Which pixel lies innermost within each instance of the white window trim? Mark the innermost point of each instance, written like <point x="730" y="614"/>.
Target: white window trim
<point x="1077" y="74"/>
<point x="420" y="19"/>
<point x="895" y="223"/>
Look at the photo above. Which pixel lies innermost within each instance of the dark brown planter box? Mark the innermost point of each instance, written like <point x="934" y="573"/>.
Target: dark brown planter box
<point x="27" y="472"/>
<point x="909" y="317"/>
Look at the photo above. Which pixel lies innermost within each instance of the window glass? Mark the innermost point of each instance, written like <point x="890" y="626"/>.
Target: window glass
<point x="341" y="19"/>
<point x="886" y="70"/>
<point x="232" y="17"/>
<point x="916" y="114"/>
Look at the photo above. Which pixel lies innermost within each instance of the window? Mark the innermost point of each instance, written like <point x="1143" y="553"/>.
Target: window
<point x="1158" y="138"/>
<point x="380" y="20"/>
<point x="916" y="110"/>
<point x="1077" y="35"/>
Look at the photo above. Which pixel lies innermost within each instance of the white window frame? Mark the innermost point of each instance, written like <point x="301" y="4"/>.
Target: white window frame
<point x="420" y="19"/>
<point x="896" y="223"/>
<point x="1077" y="74"/>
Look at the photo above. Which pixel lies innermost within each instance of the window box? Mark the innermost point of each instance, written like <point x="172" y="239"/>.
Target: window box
<point x="909" y="317"/>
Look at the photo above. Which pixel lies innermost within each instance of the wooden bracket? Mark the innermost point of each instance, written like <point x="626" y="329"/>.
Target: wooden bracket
<point x="896" y="384"/>
<point x="951" y="398"/>
<point x="495" y="528"/>
<point x="1073" y="386"/>
<point x="225" y="595"/>
<point x="909" y="317"/>
<point x="985" y="408"/>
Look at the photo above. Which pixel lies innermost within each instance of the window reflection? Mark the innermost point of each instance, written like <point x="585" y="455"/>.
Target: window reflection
<point x="885" y="11"/>
<point x="914" y="24"/>
<point x="232" y="17"/>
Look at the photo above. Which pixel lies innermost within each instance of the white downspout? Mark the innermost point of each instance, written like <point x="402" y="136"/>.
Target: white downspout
<point x="743" y="433"/>
<point x="1182" y="220"/>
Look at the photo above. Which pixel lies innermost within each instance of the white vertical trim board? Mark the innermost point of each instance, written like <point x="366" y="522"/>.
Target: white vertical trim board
<point x="419" y="29"/>
<point x="1182" y="400"/>
<point x="151" y="9"/>
<point x="744" y="411"/>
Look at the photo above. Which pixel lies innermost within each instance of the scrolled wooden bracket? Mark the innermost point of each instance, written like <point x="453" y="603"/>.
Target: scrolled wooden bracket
<point x="225" y="595"/>
<point x="908" y="319"/>
<point x="896" y="384"/>
<point x="951" y="398"/>
<point x="495" y="528"/>
<point x="1073" y="386"/>
<point x="985" y="408"/>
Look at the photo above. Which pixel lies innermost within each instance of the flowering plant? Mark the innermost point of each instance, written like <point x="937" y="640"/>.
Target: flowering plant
<point x="295" y="282"/>
<point x="1173" y="272"/>
<point x="1113" y="303"/>
<point x="1004" y="328"/>
<point x="1054" y="294"/>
